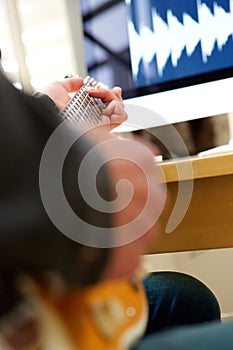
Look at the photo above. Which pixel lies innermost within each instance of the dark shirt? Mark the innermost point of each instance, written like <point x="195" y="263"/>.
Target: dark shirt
<point x="28" y="239"/>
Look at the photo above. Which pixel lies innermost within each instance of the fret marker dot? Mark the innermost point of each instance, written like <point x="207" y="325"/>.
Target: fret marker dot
<point x="131" y="311"/>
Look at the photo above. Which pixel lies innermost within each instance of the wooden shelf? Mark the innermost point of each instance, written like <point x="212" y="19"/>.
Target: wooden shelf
<point x="208" y="221"/>
<point x="202" y="167"/>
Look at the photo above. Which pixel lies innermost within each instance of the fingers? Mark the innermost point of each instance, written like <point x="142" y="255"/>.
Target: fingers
<point x="105" y="120"/>
<point x="106" y="95"/>
<point x="114" y="114"/>
<point x="118" y="92"/>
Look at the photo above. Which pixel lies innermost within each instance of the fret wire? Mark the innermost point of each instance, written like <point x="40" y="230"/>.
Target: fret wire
<point x="90" y="112"/>
<point x="92" y="117"/>
<point x="96" y="106"/>
<point x="87" y="102"/>
<point x="89" y="115"/>
<point x="70" y="115"/>
<point x="95" y="113"/>
<point x="83" y="109"/>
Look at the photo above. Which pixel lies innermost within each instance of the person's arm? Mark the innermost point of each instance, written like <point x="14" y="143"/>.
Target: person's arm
<point x="46" y="99"/>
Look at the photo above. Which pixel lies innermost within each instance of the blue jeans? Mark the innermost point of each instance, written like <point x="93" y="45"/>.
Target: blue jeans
<point x="176" y="300"/>
<point x="207" y="336"/>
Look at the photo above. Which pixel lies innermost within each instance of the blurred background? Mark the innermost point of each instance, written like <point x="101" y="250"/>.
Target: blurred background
<point x="42" y="41"/>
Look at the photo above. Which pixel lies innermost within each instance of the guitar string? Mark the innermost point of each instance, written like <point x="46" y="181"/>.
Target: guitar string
<point x="93" y="109"/>
<point x="89" y="113"/>
<point x="70" y="111"/>
<point x="83" y="110"/>
<point x="86" y="116"/>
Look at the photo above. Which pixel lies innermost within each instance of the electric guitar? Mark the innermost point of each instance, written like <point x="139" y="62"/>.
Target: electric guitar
<point x="106" y="316"/>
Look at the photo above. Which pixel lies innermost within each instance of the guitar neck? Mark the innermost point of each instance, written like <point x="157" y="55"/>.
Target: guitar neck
<point x="84" y="110"/>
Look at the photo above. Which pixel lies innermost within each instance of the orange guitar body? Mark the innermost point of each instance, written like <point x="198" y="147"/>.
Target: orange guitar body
<point x="109" y="316"/>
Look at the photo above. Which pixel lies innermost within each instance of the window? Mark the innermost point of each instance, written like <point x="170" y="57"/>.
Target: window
<point x="36" y="41"/>
<point x="106" y="41"/>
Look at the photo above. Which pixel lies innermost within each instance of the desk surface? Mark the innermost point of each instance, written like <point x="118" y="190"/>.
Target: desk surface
<point x="208" y="222"/>
<point x="203" y="167"/>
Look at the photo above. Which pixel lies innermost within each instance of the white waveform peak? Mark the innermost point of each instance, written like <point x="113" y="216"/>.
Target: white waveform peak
<point x="176" y="30"/>
<point x="225" y="22"/>
<point x="148" y="51"/>
<point x="162" y="39"/>
<point x="135" y="48"/>
<point x="216" y="27"/>
<point x="192" y="33"/>
<point x="169" y="39"/>
<point x="209" y="29"/>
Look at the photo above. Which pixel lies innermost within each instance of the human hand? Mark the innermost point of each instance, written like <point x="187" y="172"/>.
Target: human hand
<point x="59" y="91"/>
<point x="114" y="114"/>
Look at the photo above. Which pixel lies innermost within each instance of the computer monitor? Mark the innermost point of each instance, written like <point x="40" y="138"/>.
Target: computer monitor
<point x="182" y="59"/>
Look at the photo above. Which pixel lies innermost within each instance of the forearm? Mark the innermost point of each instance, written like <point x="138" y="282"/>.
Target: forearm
<point x="46" y="100"/>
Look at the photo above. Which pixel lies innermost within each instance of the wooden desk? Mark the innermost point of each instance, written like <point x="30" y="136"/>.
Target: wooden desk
<point x="208" y="222"/>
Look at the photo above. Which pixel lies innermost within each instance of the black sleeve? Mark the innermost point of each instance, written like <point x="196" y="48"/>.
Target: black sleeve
<point x="29" y="240"/>
<point x="46" y="99"/>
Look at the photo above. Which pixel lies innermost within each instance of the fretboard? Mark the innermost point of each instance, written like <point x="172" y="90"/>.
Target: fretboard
<point x="84" y="110"/>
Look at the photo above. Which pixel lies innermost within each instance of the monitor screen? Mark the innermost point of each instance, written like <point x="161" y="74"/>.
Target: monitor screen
<point x="181" y="57"/>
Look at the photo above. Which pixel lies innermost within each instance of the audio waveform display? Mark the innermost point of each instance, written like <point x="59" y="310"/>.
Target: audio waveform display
<point x="172" y="39"/>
